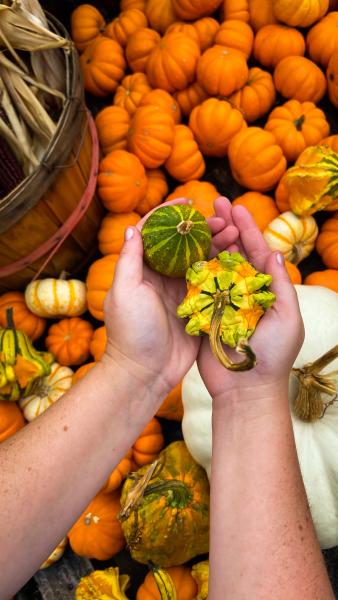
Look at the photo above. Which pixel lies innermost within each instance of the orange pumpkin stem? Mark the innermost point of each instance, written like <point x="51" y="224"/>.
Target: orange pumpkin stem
<point x="309" y="404"/>
<point x="221" y="300"/>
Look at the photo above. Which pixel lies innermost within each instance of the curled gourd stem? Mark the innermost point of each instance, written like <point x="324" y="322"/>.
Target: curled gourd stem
<point x="137" y="491"/>
<point x="309" y="404"/>
<point x="221" y="299"/>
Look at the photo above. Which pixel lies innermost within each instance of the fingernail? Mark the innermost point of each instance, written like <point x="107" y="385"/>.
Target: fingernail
<point x="280" y="259"/>
<point x="128" y="234"/>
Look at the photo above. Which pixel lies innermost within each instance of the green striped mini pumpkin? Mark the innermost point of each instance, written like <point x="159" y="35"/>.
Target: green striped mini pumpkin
<point x="174" y="237"/>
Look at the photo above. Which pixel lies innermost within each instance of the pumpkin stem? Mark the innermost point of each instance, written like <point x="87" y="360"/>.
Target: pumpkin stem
<point x="63" y="275"/>
<point x="297" y="254"/>
<point x="309" y="405"/>
<point x="178" y="495"/>
<point x="221" y="300"/>
<point x="298" y="123"/>
<point x="184" y="227"/>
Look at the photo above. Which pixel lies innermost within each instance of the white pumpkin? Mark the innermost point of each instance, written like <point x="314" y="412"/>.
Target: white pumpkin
<point x="316" y="442"/>
<point x="53" y="298"/>
<point x="48" y="390"/>
<point x="293" y="236"/>
<point x="57" y="553"/>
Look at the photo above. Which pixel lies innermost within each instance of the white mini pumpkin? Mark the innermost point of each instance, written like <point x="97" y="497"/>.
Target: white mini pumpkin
<point x="316" y="442"/>
<point x="57" y="553"/>
<point x="293" y="236"/>
<point x="53" y="298"/>
<point x="48" y="390"/>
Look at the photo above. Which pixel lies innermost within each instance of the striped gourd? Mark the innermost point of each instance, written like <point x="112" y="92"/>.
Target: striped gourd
<point x="54" y="298"/>
<point x="47" y="391"/>
<point x="293" y="236"/>
<point x="312" y="183"/>
<point x="57" y="553"/>
<point x="174" y="237"/>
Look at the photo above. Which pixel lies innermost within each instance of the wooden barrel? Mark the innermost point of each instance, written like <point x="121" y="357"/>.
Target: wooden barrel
<point x="49" y="222"/>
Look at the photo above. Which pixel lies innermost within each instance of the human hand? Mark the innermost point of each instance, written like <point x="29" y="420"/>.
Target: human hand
<point x="279" y="334"/>
<point x="143" y="331"/>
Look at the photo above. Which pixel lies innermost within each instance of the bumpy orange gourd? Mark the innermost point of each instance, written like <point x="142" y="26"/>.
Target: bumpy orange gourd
<point x="222" y="71"/>
<point x="327" y="242"/>
<point x="235" y="34"/>
<point x="293" y="272"/>
<point x="103" y="66"/>
<point x="160" y="14"/>
<point x="112" y="229"/>
<point x="151" y="135"/>
<point x="117" y="476"/>
<point x="332" y="78"/>
<point x="189" y="10"/>
<point x="256" y="160"/>
<point x="131" y="91"/>
<point x="299" y="78"/>
<point x="99" y="279"/>
<point x="201" y="196"/>
<point x="261" y="13"/>
<point x="236" y="9"/>
<point x="82" y="371"/>
<point x="69" y="340"/>
<point x="97" y="533"/>
<point x="23" y="318"/>
<point x="112" y="124"/>
<point x="206" y="29"/>
<point x="262" y="207"/>
<point x="322" y="39"/>
<point x="125" y="24"/>
<point x="163" y="100"/>
<point x="157" y="189"/>
<point x="122" y="181"/>
<point x="98" y="343"/>
<point x="297" y="125"/>
<point x="257" y="96"/>
<point x="185" y="161"/>
<point x="192" y="96"/>
<point x="172" y="63"/>
<point x="11" y="419"/>
<point x="172" y="406"/>
<point x="86" y="24"/>
<point x="139" y="46"/>
<point x="299" y="13"/>
<point x="327" y="278"/>
<point x="214" y="123"/>
<point x="275" y="42"/>
<point x="149" y="444"/>
<point x="103" y="584"/>
<point x="332" y="142"/>
<point x="184" y="583"/>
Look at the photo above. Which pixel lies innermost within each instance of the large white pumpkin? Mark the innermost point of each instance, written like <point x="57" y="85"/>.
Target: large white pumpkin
<point x="317" y="442"/>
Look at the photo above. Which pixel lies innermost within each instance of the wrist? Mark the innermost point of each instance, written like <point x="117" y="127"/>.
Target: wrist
<point x="253" y="401"/>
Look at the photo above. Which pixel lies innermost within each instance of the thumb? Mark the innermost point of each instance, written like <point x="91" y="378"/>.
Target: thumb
<point x="129" y="267"/>
<point x="282" y="286"/>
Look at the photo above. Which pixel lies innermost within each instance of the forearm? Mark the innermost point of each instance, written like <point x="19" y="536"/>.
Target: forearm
<point x="263" y="543"/>
<point x="52" y="469"/>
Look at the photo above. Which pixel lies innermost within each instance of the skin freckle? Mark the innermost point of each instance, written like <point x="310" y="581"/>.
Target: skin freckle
<point x="65" y="428"/>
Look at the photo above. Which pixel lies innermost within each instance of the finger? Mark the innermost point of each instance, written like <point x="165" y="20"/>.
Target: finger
<point x="216" y="224"/>
<point x="223" y="209"/>
<point x="286" y="296"/>
<point x="234" y="248"/>
<point x="254" y="245"/>
<point x="168" y="203"/>
<point x="129" y="267"/>
<point x="226" y="237"/>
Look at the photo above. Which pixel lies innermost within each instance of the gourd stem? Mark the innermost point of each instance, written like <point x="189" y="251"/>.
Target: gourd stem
<point x="184" y="227"/>
<point x="9" y="318"/>
<point x="179" y="493"/>
<point x="221" y="300"/>
<point x="309" y="405"/>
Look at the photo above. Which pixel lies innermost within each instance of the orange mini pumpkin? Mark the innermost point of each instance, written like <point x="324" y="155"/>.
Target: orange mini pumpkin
<point x="156" y="191"/>
<point x="299" y="78"/>
<point x="214" y="123"/>
<point x="297" y="125"/>
<point x="172" y="63"/>
<point x="117" y="476"/>
<point x="97" y="533"/>
<point x="332" y="78"/>
<point x="151" y="135"/>
<point x="172" y="406"/>
<point x="186" y="28"/>
<point x="261" y="13"/>
<point x="160" y="14"/>
<point x="274" y="42"/>
<point x="192" y="96"/>
<point x="122" y="181"/>
<point x="327" y="242"/>
<point x="11" y="419"/>
<point x="112" y="230"/>
<point x="131" y="91"/>
<point x="98" y="343"/>
<point x="256" y="160"/>
<point x="163" y="100"/>
<point x="99" y="280"/>
<point x="23" y="318"/>
<point x="139" y="46"/>
<point x="127" y="4"/>
<point x="262" y="207"/>
<point x="149" y="444"/>
<point x="82" y="371"/>
<point x="222" y="71"/>
<point x="327" y="278"/>
<point x="257" y="96"/>
<point x="125" y="24"/>
<point x="86" y="23"/>
<point x="112" y="124"/>
<point x="322" y="39"/>
<point x="206" y="29"/>
<point x="293" y="272"/>
<point x="300" y="13"/>
<point x="282" y="197"/>
<point x="69" y="340"/>
<point x="201" y="195"/>
<point x="189" y="10"/>
<point x="183" y="582"/>
<point x="185" y="161"/>
<point x="103" y="66"/>
<point x="236" y="9"/>
<point x="235" y="34"/>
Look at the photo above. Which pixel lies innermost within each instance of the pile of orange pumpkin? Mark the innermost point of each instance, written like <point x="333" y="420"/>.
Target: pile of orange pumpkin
<point x="185" y="81"/>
